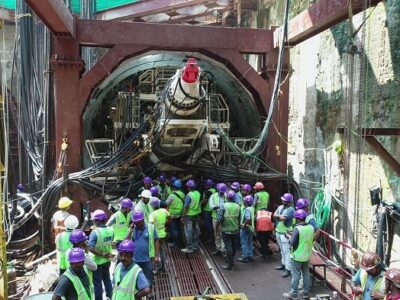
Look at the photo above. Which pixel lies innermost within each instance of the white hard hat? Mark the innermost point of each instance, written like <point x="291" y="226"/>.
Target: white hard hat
<point x="71" y="222"/>
<point x="146" y="194"/>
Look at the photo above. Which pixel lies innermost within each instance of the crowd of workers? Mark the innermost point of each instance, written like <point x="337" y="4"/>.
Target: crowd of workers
<point x="233" y="216"/>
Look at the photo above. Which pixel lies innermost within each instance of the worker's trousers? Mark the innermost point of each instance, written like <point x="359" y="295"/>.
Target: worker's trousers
<point x="284" y="245"/>
<point x="192" y="232"/>
<point x="219" y="243"/>
<point x="300" y="269"/>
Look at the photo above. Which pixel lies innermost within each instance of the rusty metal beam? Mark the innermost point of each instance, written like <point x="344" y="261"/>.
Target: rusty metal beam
<point x="172" y="37"/>
<point x="321" y="16"/>
<point x="384" y="154"/>
<point x="143" y="8"/>
<point x="55" y="15"/>
<point x="375" y="131"/>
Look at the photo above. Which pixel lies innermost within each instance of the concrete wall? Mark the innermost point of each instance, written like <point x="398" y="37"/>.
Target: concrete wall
<point x="319" y="92"/>
<point x="7" y="33"/>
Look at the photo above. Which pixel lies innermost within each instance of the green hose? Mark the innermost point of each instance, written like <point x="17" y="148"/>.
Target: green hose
<point x="321" y="208"/>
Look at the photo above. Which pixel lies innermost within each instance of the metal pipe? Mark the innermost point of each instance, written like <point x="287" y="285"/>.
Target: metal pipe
<point x="42" y="259"/>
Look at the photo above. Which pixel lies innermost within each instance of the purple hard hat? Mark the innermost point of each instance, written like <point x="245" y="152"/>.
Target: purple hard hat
<point x="76" y="255"/>
<point x="154" y="191"/>
<point x="235" y="186"/>
<point x="248" y="200"/>
<point x="300" y="214"/>
<point x="222" y="188"/>
<point x="287" y="197"/>
<point x="302" y="203"/>
<point x="137" y="215"/>
<point x="246" y="188"/>
<point x="77" y="236"/>
<point x="177" y="183"/>
<point x="98" y="214"/>
<point x="209" y="183"/>
<point x="126" y="203"/>
<point x="191" y="183"/>
<point x="147" y="180"/>
<point x="230" y="194"/>
<point x="161" y="178"/>
<point x="126" y="246"/>
<point x="155" y="202"/>
<point x="20" y="187"/>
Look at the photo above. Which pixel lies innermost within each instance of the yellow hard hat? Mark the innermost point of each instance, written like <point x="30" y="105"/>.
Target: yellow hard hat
<point x="64" y="202"/>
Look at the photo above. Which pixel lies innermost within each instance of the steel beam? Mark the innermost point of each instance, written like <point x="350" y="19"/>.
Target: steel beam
<point x="143" y="8"/>
<point x="375" y="131"/>
<point x="384" y="154"/>
<point x="172" y="37"/>
<point x="55" y="15"/>
<point x="321" y="16"/>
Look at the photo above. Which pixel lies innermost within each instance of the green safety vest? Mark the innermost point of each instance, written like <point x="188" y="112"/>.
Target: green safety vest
<point x="152" y="249"/>
<point x="145" y="209"/>
<point x="125" y="289"/>
<point x="309" y="218"/>
<point x="159" y="219"/>
<point x="280" y="226"/>
<point x="105" y="237"/>
<point x="164" y="193"/>
<point x="379" y="285"/>
<point x="207" y="206"/>
<point x="262" y="200"/>
<point x="306" y="240"/>
<point x="176" y="206"/>
<point x="78" y="286"/>
<point x="194" y="207"/>
<point x="251" y="226"/>
<point x="121" y="226"/>
<point x="215" y="201"/>
<point x="231" y="217"/>
<point x="62" y="246"/>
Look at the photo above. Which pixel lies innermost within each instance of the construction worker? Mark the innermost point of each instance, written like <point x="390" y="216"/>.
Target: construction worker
<point x="154" y="193"/>
<point x="64" y="204"/>
<point x="159" y="218"/>
<point x="247" y="230"/>
<point x="368" y="283"/>
<point x="78" y="239"/>
<point x="229" y="219"/>
<point x="191" y="213"/>
<point x="75" y="282"/>
<point x="235" y="186"/>
<point x="130" y="283"/>
<point x="392" y="283"/>
<point x="261" y="197"/>
<point x="147" y="183"/>
<point x="264" y="228"/>
<point x="175" y="208"/>
<point x="207" y="210"/>
<point x="217" y="201"/>
<point x="120" y="220"/>
<point x="163" y="189"/>
<point x="301" y="243"/>
<point x="284" y="221"/>
<point x="100" y="244"/>
<point x="147" y="245"/>
<point x="304" y="203"/>
<point x="63" y="244"/>
<point x="143" y="204"/>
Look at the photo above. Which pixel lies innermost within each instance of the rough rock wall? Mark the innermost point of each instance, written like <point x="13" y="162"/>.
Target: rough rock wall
<point x="320" y="89"/>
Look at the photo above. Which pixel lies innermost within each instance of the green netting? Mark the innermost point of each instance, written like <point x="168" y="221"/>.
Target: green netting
<point x="76" y="4"/>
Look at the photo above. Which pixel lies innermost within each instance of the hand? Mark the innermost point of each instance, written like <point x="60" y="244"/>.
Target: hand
<point x="357" y="290"/>
<point x="376" y="295"/>
<point x="109" y="255"/>
<point x="157" y="259"/>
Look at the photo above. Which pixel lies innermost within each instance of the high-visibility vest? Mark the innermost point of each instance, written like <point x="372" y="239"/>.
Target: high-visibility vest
<point x="105" y="237"/>
<point x="243" y="220"/>
<point x="159" y="219"/>
<point x="304" y="249"/>
<point x="207" y="206"/>
<point x="281" y="227"/>
<point x="264" y="221"/>
<point x="62" y="246"/>
<point x="231" y="217"/>
<point x="262" y="200"/>
<point x="121" y="226"/>
<point x="194" y="207"/>
<point x="125" y="289"/>
<point x="309" y="218"/>
<point x="379" y="285"/>
<point x="176" y="206"/>
<point x="215" y="200"/>
<point x="145" y="209"/>
<point x="164" y="192"/>
<point x="78" y="286"/>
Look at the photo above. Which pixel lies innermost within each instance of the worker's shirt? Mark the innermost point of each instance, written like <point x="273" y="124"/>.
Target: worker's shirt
<point x="141" y="240"/>
<point x="369" y="285"/>
<point x="66" y="289"/>
<point x="313" y="223"/>
<point x="141" y="282"/>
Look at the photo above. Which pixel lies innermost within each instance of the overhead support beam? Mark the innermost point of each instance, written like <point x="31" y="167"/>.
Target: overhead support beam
<point x="384" y="154"/>
<point x="144" y="8"/>
<point x="55" y="15"/>
<point x="322" y="15"/>
<point x="172" y="37"/>
<point x="375" y="131"/>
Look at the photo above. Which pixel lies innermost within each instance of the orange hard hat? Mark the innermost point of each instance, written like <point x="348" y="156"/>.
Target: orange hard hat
<point x="370" y="260"/>
<point x="393" y="275"/>
<point x="258" y="186"/>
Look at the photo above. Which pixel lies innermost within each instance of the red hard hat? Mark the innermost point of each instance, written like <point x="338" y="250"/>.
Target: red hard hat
<point x="393" y="275"/>
<point x="258" y="186"/>
<point x="370" y="260"/>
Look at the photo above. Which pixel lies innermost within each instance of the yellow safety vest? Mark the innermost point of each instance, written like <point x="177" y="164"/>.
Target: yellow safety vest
<point x="78" y="286"/>
<point x="125" y="289"/>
